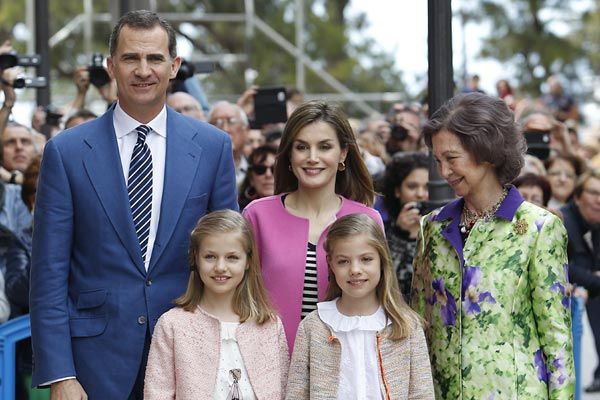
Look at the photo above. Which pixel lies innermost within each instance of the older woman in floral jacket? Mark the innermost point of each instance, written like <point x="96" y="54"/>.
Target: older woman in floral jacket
<point x="490" y="270"/>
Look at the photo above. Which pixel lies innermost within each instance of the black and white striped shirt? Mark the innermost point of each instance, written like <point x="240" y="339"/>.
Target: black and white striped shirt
<point x="309" y="292"/>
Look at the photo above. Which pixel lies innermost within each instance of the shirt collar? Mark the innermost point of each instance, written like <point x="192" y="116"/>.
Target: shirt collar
<point x="124" y="124"/>
<point x="506" y="211"/>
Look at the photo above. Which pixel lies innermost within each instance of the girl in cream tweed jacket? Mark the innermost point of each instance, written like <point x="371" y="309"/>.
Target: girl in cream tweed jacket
<point x="223" y="341"/>
<point x="365" y="342"/>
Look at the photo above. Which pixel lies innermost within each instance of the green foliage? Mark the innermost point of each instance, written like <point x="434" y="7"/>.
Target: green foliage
<point x="520" y="35"/>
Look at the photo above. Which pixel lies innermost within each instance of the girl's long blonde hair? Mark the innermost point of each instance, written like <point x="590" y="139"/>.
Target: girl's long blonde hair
<point x="250" y="300"/>
<point x="403" y="318"/>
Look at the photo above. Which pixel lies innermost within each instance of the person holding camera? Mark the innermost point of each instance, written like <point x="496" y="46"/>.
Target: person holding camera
<point x="405" y="131"/>
<point x="404" y="189"/>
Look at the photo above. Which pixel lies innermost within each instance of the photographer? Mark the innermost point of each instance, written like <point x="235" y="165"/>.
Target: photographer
<point x="405" y="133"/>
<point x="404" y="188"/>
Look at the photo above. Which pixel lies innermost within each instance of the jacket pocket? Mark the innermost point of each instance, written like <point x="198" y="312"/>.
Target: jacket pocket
<point x="197" y="201"/>
<point x="89" y="318"/>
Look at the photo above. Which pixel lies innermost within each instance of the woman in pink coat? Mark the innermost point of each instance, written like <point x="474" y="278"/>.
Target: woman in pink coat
<point x="319" y="177"/>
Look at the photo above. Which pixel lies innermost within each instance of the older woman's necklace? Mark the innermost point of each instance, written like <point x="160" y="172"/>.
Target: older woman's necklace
<point x="469" y="217"/>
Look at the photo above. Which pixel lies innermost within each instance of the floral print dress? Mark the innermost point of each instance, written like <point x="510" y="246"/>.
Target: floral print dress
<point x="496" y="309"/>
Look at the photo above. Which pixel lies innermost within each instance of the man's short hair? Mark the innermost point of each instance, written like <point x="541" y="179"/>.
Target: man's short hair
<point x="13" y="124"/>
<point x="142" y="19"/>
<point x="83" y="114"/>
<point x="241" y="114"/>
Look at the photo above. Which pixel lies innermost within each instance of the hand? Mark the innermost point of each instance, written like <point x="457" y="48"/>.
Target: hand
<point x="246" y="100"/>
<point x="408" y="218"/>
<point x="581" y="293"/>
<point x="81" y="77"/>
<point x="69" y="389"/>
<point x="559" y="138"/>
<point x="9" y="75"/>
<point x="109" y="92"/>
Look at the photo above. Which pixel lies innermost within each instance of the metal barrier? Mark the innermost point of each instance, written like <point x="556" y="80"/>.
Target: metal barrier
<point x="10" y="333"/>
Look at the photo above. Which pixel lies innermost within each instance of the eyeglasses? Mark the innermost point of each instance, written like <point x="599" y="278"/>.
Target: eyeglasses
<point x="220" y="122"/>
<point x="594" y="193"/>
<point x="262" y="169"/>
<point x="566" y="174"/>
<point x="188" y="108"/>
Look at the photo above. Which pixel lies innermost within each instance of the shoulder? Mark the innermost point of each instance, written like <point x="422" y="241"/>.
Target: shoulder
<point x="313" y="325"/>
<point x="263" y="204"/>
<point x="177" y="316"/>
<point x="354" y="207"/>
<point x="200" y="130"/>
<point x="538" y="216"/>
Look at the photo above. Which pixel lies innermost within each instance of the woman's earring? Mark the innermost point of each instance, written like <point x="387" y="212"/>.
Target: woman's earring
<point x="341" y="166"/>
<point x="290" y="167"/>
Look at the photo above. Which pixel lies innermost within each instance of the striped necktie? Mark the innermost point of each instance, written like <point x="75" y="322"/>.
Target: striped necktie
<point x="139" y="187"/>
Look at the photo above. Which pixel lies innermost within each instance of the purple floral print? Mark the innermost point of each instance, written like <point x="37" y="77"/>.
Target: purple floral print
<point x="446" y="300"/>
<point x="471" y="296"/>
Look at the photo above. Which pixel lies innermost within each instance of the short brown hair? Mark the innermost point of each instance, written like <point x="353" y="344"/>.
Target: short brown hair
<point x="402" y="316"/>
<point x="582" y="180"/>
<point x="354" y="182"/>
<point x="250" y="300"/>
<point x="486" y="128"/>
<point x="142" y="19"/>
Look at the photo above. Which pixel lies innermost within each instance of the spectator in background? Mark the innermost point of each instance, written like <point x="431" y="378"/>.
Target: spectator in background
<point x="505" y="92"/>
<point x="405" y="131"/>
<point x="562" y="173"/>
<point x="186" y="104"/>
<point x="534" y="189"/>
<point x="540" y="121"/>
<point x="255" y="140"/>
<point x="533" y="165"/>
<point x="582" y="221"/>
<point x="294" y="97"/>
<point x="472" y="85"/>
<point x="560" y="104"/>
<point x="259" y="181"/>
<point x="232" y="119"/>
<point x="273" y="137"/>
<point x="18" y="149"/>
<point x="81" y="116"/>
<point x="379" y="127"/>
<point x="404" y="190"/>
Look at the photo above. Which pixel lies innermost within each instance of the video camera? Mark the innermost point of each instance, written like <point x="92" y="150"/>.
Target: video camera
<point x="12" y="59"/>
<point x="98" y="75"/>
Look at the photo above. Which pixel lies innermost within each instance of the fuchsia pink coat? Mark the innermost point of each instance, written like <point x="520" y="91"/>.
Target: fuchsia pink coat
<point x="282" y="239"/>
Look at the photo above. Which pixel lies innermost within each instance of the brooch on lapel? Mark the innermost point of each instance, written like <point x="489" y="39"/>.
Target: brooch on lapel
<point x="520" y="227"/>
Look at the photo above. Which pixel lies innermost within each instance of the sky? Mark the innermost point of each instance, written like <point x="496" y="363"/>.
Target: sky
<point x="400" y="28"/>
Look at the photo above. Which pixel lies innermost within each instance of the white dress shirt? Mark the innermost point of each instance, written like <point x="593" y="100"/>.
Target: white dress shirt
<point x="157" y="142"/>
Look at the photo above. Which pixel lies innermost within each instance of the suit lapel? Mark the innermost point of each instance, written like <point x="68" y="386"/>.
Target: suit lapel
<point x="103" y="166"/>
<point x="181" y="164"/>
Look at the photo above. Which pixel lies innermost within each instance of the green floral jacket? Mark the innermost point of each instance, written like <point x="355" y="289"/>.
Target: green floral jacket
<point x="497" y="310"/>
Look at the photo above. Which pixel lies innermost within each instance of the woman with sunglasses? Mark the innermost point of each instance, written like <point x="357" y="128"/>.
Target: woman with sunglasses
<point x="259" y="181"/>
<point x="319" y="177"/>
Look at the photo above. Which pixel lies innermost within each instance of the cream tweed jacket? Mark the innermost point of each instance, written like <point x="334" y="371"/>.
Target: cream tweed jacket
<point x="315" y="366"/>
<point x="185" y="350"/>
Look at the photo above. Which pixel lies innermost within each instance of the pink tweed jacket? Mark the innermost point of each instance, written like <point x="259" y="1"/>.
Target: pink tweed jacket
<point x="184" y="357"/>
<point x="282" y="239"/>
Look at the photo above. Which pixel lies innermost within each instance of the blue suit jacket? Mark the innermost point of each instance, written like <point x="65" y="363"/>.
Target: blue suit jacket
<point x="91" y="297"/>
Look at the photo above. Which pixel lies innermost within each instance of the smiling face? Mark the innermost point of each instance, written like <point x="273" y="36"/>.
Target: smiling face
<point x="459" y="168"/>
<point x="142" y="67"/>
<point x="315" y="156"/>
<point x="356" y="266"/>
<point x="222" y="263"/>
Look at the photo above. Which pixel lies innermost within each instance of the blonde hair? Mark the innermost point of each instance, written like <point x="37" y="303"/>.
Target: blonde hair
<point x="250" y="300"/>
<point x="403" y="318"/>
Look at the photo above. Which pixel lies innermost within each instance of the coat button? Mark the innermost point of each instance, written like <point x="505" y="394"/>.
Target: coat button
<point x="141" y="320"/>
<point x="149" y="282"/>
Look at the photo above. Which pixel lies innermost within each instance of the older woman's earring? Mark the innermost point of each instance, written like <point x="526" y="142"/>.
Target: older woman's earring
<point x="290" y="167"/>
<point x="341" y="166"/>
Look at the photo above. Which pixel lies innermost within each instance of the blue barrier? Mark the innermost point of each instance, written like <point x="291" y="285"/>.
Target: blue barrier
<point x="10" y="333"/>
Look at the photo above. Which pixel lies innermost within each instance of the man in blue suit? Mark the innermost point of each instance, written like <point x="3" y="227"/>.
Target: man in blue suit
<point x="104" y="267"/>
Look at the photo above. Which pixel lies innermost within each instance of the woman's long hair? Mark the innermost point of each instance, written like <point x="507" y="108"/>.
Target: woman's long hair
<point x="354" y="182"/>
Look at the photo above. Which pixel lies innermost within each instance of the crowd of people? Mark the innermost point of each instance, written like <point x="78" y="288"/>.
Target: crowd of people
<point x="166" y="250"/>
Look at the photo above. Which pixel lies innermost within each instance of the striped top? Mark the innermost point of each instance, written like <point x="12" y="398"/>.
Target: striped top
<point x="309" y="292"/>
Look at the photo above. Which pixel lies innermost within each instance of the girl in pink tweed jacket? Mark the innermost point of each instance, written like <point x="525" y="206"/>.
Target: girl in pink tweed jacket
<point x="223" y="340"/>
<point x="364" y="342"/>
